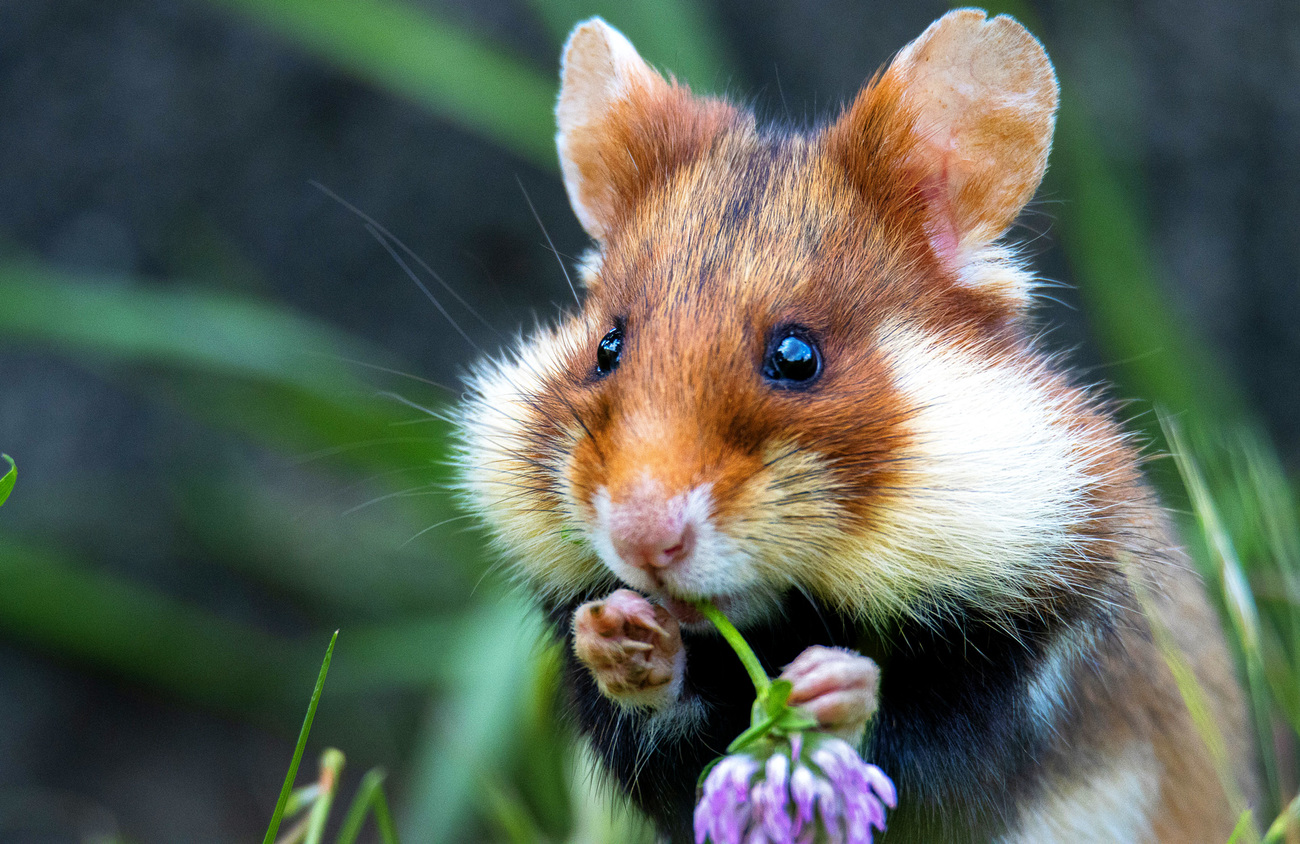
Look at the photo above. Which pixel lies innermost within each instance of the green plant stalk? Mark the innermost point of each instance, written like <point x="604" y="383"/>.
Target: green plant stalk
<point x="747" y="657"/>
<point x="331" y="768"/>
<point x="365" y="798"/>
<point x="1278" y="829"/>
<point x="287" y="788"/>
<point x="384" y="818"/>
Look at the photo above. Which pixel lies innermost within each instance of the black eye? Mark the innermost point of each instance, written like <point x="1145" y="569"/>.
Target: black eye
<point x="609" y="351"/>
<point x="792" y="358"/>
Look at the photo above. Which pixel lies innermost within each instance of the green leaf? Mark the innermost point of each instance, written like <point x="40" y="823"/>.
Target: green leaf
<point x="1245" y="828"/>
<point x="287" y="788"/>
<point x="470" y="731"/>
<point x="137" y="632"/>
<point x="411" y="52"/>
<point x="775" y="697"/>
<point x="10" y="477"/>
<point x="795" y="720"/>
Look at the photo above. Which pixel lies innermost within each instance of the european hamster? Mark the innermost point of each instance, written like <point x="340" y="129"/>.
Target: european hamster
<point x="802" y="384"/>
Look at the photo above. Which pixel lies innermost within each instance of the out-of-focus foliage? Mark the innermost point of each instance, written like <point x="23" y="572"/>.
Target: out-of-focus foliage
<point x="422" y="614"/>
<point x="9" y="479"/>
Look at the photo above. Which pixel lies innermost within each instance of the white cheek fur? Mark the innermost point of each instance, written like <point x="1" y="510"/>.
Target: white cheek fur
<point x="993" y="490"/>
<point x="525" y="502"/>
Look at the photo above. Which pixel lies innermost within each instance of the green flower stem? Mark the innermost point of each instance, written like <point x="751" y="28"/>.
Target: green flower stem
<point x="738" y="644"/>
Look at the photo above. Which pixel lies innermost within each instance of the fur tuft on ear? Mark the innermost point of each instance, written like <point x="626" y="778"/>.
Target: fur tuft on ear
<point x="967" y="111"/>
<point x="622" y="126"/>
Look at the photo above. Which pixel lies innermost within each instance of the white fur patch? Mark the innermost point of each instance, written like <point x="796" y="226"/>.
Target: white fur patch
<point x="528" y="506"/>
<point x="1114" y="804"/>
<point x="991" y="487"/>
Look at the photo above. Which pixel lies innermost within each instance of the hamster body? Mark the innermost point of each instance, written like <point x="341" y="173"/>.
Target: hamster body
<point x="802" y="384"/>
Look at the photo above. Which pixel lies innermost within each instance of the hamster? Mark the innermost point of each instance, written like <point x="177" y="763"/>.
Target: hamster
<point x="803" y="384"/>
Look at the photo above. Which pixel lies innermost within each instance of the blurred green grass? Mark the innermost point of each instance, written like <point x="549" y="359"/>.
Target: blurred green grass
<point x="488" y="758"/>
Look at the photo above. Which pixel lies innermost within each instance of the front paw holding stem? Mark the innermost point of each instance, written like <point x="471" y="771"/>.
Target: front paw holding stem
<point x="633" y="649"/>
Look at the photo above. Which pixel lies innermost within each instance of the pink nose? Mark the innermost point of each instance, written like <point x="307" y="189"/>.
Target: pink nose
<point x="654" y="549"/>
<point x="650" y="533"/>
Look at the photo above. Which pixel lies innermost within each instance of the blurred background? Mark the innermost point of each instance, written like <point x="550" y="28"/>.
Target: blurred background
<point x="201" y="356"/>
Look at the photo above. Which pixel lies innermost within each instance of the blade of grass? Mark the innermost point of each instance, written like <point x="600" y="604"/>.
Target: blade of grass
<point x="279" y="378"/>
<point x="331" y="768"/>
<point x="10" y="478"/>
<point x="371" y="782"/>
<point x="113" y="319"/>
<point x="507" y="810"/>
<point x="384" y="819"/>
<point x="1245" y="824"/>
<point x="1285" y="822"/>
<point x="411" y="52"/>
<point x="292" y="773"/>
<point x="1242" y="612"/>
<point x="1267" y="494"/>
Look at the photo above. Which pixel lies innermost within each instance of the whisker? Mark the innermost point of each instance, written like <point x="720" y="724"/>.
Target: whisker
<point x="436" y="526"/>
<point x="426" y="489"/>
<point x="549" y="242"/>
<point x="371" y="222"/>
<point x="390" y="371"/>
<point x="420" y="284"/>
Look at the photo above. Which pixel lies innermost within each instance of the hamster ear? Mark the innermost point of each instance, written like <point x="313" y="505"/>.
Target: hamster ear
<point x="622" y="126"/>
<point x="980" y="97"/>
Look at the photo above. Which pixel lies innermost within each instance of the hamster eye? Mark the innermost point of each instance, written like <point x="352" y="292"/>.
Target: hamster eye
<point x="609" y="351"/>
<point x="792" y="357"/>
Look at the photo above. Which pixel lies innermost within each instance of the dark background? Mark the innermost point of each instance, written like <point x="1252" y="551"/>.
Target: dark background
<point x="169" y="146"/>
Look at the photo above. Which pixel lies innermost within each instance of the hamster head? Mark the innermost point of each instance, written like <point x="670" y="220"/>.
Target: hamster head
<point x="800" y="362"/>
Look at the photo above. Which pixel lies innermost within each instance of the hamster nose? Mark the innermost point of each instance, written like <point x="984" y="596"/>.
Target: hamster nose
<point x="653" y="547"/>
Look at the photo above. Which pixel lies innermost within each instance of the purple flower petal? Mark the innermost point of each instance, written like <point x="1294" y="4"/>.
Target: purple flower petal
<point x="835" y="797"/>
<point x="771" y="798"/>
<point x="803" y="790"/>
<point x="882" y="785"/>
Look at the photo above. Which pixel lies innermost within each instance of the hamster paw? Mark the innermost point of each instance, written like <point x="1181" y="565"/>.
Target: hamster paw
<point x="839" y="687"/>
<point x="632" y="647"/>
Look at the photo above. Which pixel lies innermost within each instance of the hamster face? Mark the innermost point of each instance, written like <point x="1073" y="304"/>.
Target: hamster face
<point x="655" y="429"/>
<point x="800" y="363"/>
